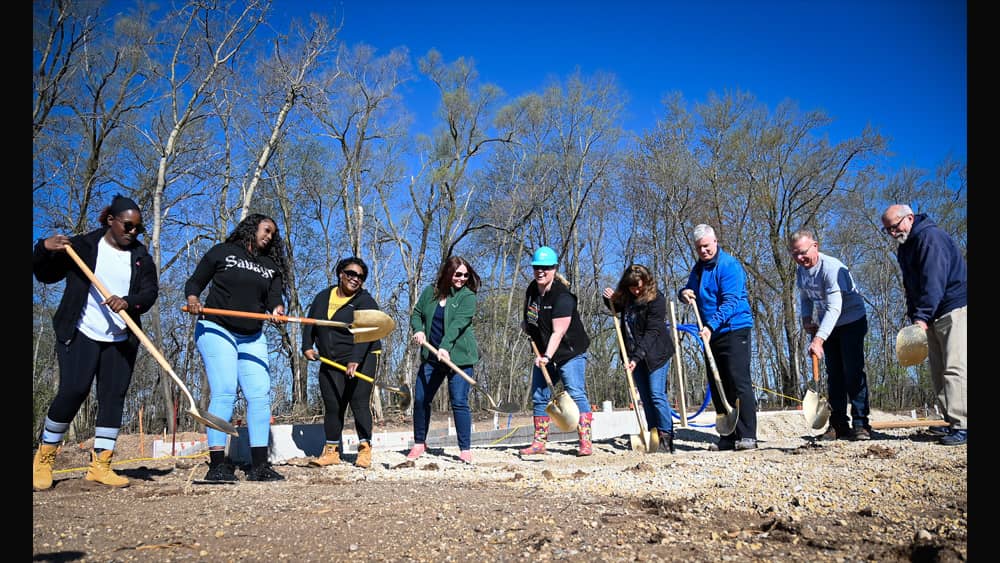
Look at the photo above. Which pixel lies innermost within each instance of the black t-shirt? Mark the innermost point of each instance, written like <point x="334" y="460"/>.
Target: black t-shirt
<point x="240" y="282"/>
<point x="539" y="310"/>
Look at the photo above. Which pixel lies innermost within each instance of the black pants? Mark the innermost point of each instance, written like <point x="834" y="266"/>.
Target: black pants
<point x="80" y="362"/>
<point x="732" y="356"/>
<point x="339" y="391"/>
<point x="846" y="379"/>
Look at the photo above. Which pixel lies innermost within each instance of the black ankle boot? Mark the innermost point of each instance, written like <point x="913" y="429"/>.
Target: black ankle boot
<point x="260" y="468"/>
<point x="666" y="441"/>
<point x="219" y="467"/>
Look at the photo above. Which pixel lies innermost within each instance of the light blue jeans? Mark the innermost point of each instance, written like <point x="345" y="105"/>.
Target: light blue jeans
<point x="652" y="388"/>
<point x="571" y="373"/>
<point x="232" y="360"/>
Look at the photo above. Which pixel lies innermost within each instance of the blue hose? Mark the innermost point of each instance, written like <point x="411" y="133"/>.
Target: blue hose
<point x="693" y="330"/>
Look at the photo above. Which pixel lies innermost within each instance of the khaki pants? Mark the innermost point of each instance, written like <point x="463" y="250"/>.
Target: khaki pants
<point x="946" y="353"/>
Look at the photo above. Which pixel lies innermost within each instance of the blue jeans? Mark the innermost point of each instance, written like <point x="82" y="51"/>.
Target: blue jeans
<point x="652" y="387"/>
<point x="571" y="373"/>
<point x="429" y="379"/>
<point x="846" y="381"/>
<point x="232" y="360"/>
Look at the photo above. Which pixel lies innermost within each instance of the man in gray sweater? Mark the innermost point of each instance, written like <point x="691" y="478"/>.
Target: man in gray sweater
<point x="833" y="312"/>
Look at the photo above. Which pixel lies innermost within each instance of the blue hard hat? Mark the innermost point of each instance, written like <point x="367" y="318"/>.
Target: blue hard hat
<point x="544" y="256"/>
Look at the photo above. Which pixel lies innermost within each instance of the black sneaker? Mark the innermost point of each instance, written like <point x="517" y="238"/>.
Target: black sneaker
<point x="861" y="434"/>
<point x="221" y="472"/>
<point x="724" y="444"/>
<point x="746" y="444"/>
<point x="264" y="472"/>
<point x="939" y="431"/>
<point x="833" y="433"/>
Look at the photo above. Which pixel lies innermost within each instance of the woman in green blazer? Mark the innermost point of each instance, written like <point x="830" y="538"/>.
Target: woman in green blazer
<point x="442" y="317"/>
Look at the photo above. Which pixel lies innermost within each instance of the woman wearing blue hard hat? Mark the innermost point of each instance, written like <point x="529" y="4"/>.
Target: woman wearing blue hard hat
<point x="552" y="321"/>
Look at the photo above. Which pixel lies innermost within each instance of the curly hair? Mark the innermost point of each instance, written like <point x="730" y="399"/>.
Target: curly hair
<point x="442" y="287"/>
<point x="245" y="235"/>
<point x="634" y="274"/>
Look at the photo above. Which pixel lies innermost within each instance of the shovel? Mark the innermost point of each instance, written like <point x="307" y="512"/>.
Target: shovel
<point x="911" y="345"/>
<point x="368" y="325"/>
<point x="562" y="408"/>
<point x="206" y="418"/>
<point x="403" y="391"/>
<point x="815" y="407"/>
<point x="646" y="441"/>
<point x="725" y="422"/>
<point x="506" y="407"/>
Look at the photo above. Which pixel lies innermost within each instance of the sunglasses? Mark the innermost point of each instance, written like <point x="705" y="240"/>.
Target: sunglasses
<point x="544" y="268"/>
<point x="891" y="228"/>
<point x="129" y="226"/>
<point x="460" y="275"/>
<point x="353" y="274"/>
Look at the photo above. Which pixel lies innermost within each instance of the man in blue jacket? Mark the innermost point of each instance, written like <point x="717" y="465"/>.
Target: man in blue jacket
<point x="934" y="280"/>
<point x="717" y="286"/>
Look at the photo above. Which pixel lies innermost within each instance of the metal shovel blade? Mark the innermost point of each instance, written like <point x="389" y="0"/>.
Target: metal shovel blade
<point x="725" y="423"/>
<point x="911" y="345"/>
<point x="212" y="421"/>
<point x="506" y="407"/>
<point x="815" y="407"/>
<point x="563" y="411"/>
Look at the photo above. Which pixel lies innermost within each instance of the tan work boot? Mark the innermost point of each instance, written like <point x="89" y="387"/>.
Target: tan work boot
<point x="45" y="459"/>
<point x="364" y="459"/>
<point x="100" y="470"/>
<point x="330" y="456"/>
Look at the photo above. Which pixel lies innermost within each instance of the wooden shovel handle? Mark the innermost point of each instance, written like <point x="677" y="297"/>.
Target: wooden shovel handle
<point x="131" y="323"/>
<point x="267" y="317"/>
<point x="545" y="372"/>
<point x="449" y="363"/>
<point x="815" y="362"/>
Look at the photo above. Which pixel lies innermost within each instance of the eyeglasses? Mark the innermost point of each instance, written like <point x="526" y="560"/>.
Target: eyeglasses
<point x="797" y="253"/>
<point x="544" y="268"/>
<point x="129" y="226"/>
<point x="353" y="274"/>
<point x="894" y="227"/>
<point x="460" y="275"/>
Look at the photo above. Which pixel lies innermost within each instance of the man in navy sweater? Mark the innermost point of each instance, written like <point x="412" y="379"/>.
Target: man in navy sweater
<point x="934" y="280"/>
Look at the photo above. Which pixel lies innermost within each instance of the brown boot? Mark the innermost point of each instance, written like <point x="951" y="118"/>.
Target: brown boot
<point x="330" y="456"/>
<point x="583" y="428"/>
<point x="541" y="436"/>
<point x="100" y="470"/>
<point x="364" y="459"/>
<point x="45" y="459"/>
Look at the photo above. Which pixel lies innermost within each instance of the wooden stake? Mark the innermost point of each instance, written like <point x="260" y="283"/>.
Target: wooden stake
<point x="142" y="444"/>
<point x="678" y="363"/>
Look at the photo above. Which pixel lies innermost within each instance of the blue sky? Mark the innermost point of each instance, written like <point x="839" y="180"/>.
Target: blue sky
<point x="897" y="64"/>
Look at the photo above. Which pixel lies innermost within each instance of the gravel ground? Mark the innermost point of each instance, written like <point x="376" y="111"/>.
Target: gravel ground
<point x="899" y="497"/>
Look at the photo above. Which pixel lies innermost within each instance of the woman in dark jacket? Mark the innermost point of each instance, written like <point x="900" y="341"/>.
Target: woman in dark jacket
<point x="340" y="389"/>
<point x="442" y="317"/>
<point x="643" y="311"/>
<point x="91" y="341"/>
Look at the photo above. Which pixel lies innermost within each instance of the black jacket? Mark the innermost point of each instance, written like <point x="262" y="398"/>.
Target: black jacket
<point x="559" y="301"/>
<point x="51" y="267"/>
<point x="335" y="343"/>
<point x="644" y="328"/>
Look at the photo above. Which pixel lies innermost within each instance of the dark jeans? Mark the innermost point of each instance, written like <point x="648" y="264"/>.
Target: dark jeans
<point x="846" y="380"/>
<point x="80" y="362"/>
<point x="429" y="379"/>
<point x="339" y="391"/>
<point x="732" y="356"/>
